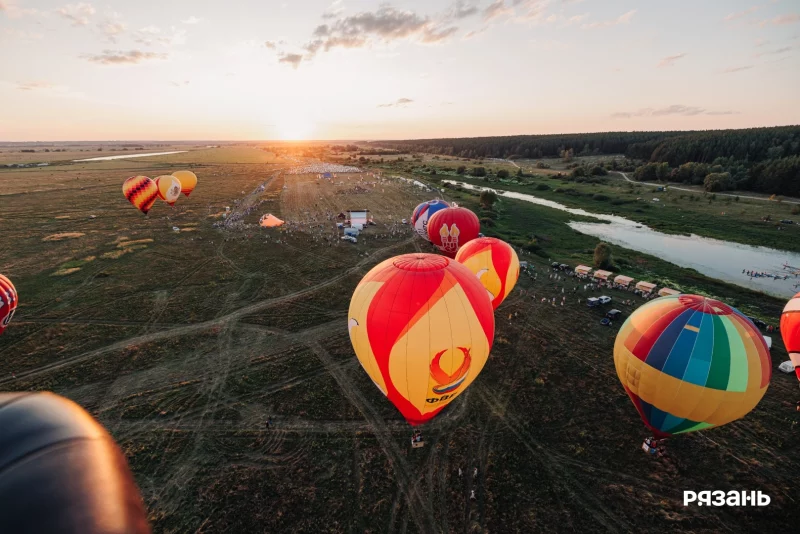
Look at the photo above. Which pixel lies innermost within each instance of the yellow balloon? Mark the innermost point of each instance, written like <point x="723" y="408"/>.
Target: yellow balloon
<point x="169" y="188"/>
<point x="188" y="181"/>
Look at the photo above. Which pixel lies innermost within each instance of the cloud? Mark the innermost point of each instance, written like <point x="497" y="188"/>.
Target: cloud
<point x="180" y="84"/>
<point x="789" y="18"/>
<point x="533" y="10"/>
<point x="191" y="20"/>
<point x="740" y="14"/>
<point x="386" y="24"/>
<point x="669" y="61"/>
<point x="737" y="69"/>
<point x="496" y="9"/>
<point x="119" y="57"/>
<point x="774" y="52"/>
<point x="292" y="59"/>
<point x="13" y="11"/>
<point x="111" y="29"/>
<point x="625" y="18"/>
<point x="19" y="35"/>
<point x="79" y="13"/>
<point x="150" y="35"/>
<point x="475" y="33"/>
<point x="272" y="45"/>
<point x="400" y="102"/>
<point x="32" y="86"/>
<point x="462" y="9"/>
<point x="334" y="10"/>
<point x="675" y="109"/>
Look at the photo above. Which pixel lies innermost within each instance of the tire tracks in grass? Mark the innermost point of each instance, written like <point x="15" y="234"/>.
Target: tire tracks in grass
<point x="205" y="325"/>
<point x="419" y="509"/>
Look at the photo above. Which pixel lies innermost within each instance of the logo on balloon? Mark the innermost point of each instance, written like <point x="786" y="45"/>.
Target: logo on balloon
<point x="449" y="238"/>
<point x="449" y="382"/>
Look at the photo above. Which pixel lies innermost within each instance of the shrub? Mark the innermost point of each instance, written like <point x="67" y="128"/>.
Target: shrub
<point x="598" y="196"/>
<point x="461" y="170"/>
<point x="502" y="173"/>
<point x="542" y="187"/>
<point x="795" y="209"/>
<point x="479" y="171"/>
<point x="487" y="222"/>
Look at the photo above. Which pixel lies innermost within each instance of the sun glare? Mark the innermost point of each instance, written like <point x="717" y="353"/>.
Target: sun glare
<point x="295" y="128"/>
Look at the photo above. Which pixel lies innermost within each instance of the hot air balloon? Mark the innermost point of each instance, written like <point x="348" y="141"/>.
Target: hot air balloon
<point x="449" y="229"/>
<point x="422" y="328"/>
<point x="141" y="191"/>
<point x="790" y="331"/>
<point x="495" y="263"/>
<point x="8" y="302"/>
<point x="423" y="212"/>
<point x="188" y="181"/>
<point x="689" y="363"/>
<point x="169" y="188"/>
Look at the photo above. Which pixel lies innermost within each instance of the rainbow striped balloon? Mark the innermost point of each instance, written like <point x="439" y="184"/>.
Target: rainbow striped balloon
<point x="689" y="363"/>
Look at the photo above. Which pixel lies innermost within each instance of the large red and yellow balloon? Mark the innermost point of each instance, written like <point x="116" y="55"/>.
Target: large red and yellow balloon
<point x="449" y="229"/>
<point x="689" y="363"/>
<point x="495" y="263"/>
<point x="8" y="302"/>
<point x="188" y="181"/>
<point x="422" y="328"/>
<point x="790" y="331"/>
<point x="169" y="188"/>
<point x="140" y="191"/>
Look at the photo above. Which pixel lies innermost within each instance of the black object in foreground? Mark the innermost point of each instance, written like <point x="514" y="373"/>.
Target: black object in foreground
<point x="61" y="472"/>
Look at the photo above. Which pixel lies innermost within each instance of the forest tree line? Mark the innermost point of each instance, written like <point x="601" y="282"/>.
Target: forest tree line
<point x="755" y="159"/>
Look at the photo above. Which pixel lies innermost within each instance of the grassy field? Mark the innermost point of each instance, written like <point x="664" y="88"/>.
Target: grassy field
<point x="183" y="343"/>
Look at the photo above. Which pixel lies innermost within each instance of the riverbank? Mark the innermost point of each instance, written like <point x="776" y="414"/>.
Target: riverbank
<point x="675" y="212"/>
<point x="545" y="233"/>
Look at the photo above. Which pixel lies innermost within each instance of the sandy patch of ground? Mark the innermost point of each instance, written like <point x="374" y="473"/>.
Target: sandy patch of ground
<point x="61" y="237"/>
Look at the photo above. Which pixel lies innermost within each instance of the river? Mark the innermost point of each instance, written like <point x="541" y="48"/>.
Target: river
<point x="126" y="156"/>
<point x="719" y="259"/>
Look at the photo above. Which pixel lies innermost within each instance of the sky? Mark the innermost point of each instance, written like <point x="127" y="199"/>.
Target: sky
<point x="358" y="69"/>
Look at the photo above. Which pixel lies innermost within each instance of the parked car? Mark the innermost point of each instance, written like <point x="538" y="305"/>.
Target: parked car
<point x="787" y="221"/>
<point x="758" y="322"/>
<point x="604" y="299"/>
<point x="592" y="302"/>
<point x="605" y="321"/>
<point x="614" y="315"/>
<point x="349" y="238"/>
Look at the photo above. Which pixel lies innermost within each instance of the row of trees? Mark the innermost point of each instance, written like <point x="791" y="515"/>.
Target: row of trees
<point x="775" y="176"/>
<point x="750" y="145"/>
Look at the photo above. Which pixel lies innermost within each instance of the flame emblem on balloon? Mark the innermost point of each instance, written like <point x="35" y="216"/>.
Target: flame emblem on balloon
<point x="449" y="238"/>
<point x="448" y="383"/>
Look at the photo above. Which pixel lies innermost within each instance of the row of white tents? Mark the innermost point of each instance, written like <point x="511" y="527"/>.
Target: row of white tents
<point x="623" y="281"/>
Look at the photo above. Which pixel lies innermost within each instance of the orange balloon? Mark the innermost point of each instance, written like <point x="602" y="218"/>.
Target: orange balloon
<point x="494" y="262"/>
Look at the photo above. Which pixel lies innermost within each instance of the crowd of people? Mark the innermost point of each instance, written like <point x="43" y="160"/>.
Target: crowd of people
<point x="322" y="168"/>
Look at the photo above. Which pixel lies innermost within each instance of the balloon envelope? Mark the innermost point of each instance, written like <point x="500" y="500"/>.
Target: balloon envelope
<point x="169" y="188"/>
<point x="689" y="363"/>
<point x="8" y="302"/>
<point x="450" y="228"/>
<point x="188" y="181"/>
<point x="140" y="191"/>
<point x="422" y="328"/>
<point x="495" y="263"/>
<point x="790" y="331"/>
<point x="423" y="213"/>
